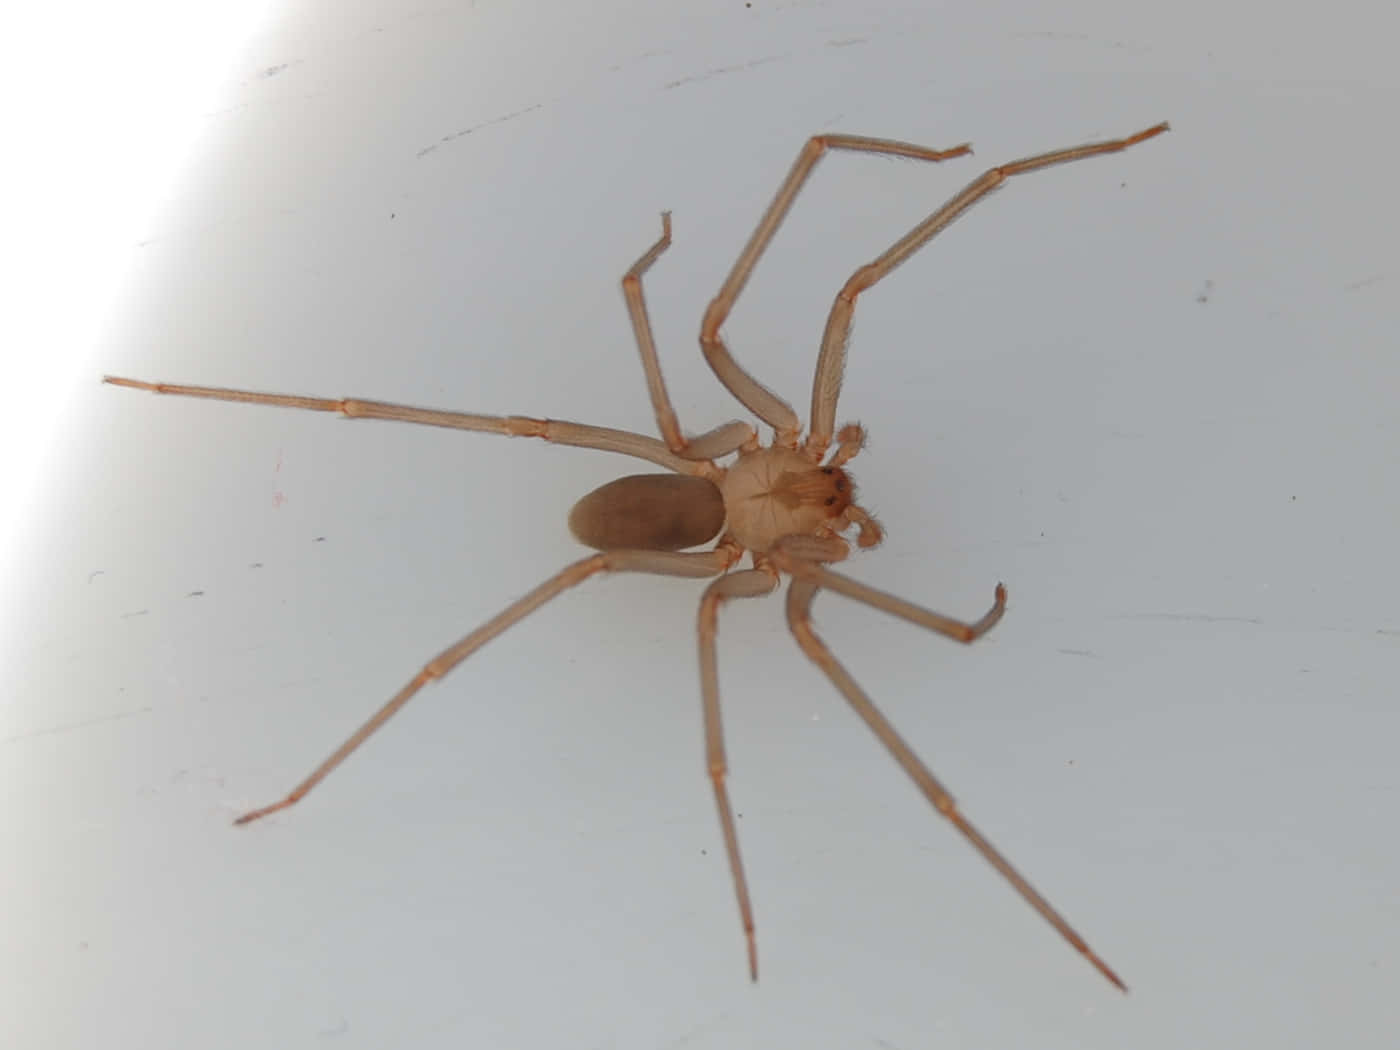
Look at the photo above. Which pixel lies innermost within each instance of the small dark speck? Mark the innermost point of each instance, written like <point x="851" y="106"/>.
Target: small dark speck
<point x="82" y="946"/>
<point x="255" y="565"/>
<point x="140" y="612"/>
<point x="1070" y="762"/>
<point x="1203" y="296"/>
<point x="195" y="594"/>
<point x="1293" y="499"/>
<point x="704" y="853"/>
<point x="319" y="539"/>
<point x="393" y="215"/>
<point x="272" y="71"/>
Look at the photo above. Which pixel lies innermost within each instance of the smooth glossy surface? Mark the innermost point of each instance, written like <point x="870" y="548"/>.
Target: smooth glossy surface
<point x="1195" y="680"/>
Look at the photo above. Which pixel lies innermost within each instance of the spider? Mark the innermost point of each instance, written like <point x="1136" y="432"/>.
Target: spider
<point x="786" y="504"/>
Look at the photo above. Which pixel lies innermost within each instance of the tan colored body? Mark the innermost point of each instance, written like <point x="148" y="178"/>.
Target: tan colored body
<point x="776" y="492"/>
<point x="654" y="512"/>
<point x="781" y="505"/>
<point x="765" y="495"/>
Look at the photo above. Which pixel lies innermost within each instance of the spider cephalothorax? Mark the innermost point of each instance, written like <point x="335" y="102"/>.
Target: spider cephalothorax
<point x="777" y="492"/>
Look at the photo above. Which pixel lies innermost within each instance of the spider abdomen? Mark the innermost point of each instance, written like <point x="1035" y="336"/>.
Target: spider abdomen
<point x="657" y="512"/>
<point x="776" y="492"/>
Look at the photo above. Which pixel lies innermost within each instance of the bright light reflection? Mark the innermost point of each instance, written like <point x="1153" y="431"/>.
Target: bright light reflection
<point x="104" y="103"/>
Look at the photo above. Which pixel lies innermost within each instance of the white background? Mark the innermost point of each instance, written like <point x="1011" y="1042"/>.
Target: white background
<point x="1153" y="393"/>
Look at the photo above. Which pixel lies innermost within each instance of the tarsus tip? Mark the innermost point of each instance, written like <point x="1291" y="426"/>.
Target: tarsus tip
<point x="256" y="814"/>
<point x="1104" y="969"/>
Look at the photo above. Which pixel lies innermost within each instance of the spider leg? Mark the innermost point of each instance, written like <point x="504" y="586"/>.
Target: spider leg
<point x="751" y="583"/>
<point x="798" y="556"/>
<point x="831" y="362"/>
<point x="799" y="614"/>
<point x="657" y="563"/>
<point x="559" y="432"/>
<point x="761" y="401"/>
<point x="723" y="439"/>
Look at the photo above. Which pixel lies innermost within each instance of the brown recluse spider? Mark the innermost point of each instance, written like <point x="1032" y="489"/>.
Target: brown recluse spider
<point x="782" y="504"/>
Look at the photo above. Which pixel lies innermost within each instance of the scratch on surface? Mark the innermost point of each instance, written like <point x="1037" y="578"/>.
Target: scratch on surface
<point x="195" y="594"/>
<point x="138" y="612"/>
<point x="743" y="67"/>
<point x="1079" y="652"/>
<point x="1047" y="34"/>
<point x="477" y="127"/>
<point x="52" y="730"/>
<point x="639" y="58"/>
<point x="207" y="775"/>
<point x="850" y="41"/>
<point x="340" y="1029"/>
<point x="1363" y="283"/>
<point x="699" y="1030"/>
<point x="1079" y="38"/>
<point x="1189" y="617"/>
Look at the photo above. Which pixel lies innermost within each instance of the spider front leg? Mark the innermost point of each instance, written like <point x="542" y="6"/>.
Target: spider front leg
<point x="759" y="400"/>
<point x="831" y="362"/>
<point x="723" y="439"/>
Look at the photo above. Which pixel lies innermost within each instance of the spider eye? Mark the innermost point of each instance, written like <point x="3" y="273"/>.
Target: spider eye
<point x="840" y="485"/>
<point x="830" y="500"/>
<point x="826" y="470"/>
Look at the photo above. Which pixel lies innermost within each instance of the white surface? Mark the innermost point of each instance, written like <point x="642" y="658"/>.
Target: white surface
<point x="99" y="123"/>
<point x="1153" y="393"/>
